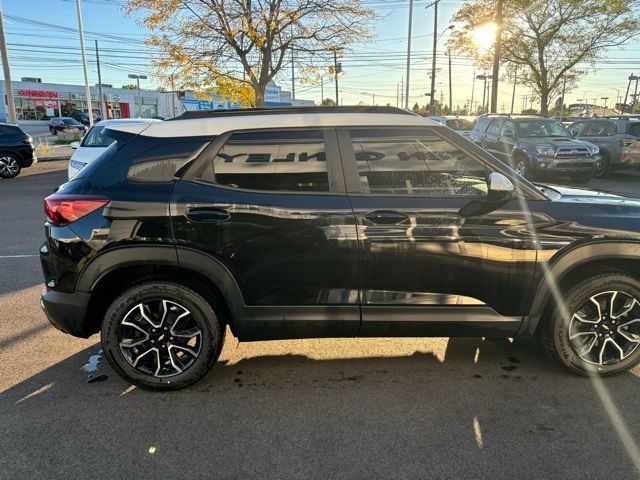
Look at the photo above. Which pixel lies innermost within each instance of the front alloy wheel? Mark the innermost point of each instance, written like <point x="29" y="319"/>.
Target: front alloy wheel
<point x="9" y="166"/>
<point x="605" y="329"/>
<point x="521" y="167"/>
<point x="597" y="329"/>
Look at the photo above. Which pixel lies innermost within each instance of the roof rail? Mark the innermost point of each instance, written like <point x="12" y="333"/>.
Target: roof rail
<point x="195" y="114"/>
<point x="509" y="115"/>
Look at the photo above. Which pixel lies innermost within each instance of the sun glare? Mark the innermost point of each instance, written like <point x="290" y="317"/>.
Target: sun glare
<point x="484" y="35"/>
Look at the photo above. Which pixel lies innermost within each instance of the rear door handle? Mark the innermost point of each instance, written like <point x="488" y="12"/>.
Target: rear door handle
<point x="386" y="217"/>
<point x="207" y="215"/>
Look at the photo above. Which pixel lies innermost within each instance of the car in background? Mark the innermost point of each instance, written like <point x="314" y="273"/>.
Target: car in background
<point x="613" y="136"/>
<point x="566" y="120"/>
<point x="462" y="125"/>
<point x="536" y="146"/>
<point x="83" y="117"/>
<point x="16" y="150"/>
<point x="59" y="124"/>
<point x="97" y="140"/>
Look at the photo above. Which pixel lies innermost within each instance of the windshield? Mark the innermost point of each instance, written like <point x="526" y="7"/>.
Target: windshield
<point x="541" y="128"/>
<point x="69" y="121"/>
<point x="460" y="124"/>
<point x="97" y="138"/>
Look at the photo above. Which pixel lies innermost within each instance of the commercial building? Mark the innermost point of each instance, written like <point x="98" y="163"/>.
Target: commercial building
<point x="36" y="100"/>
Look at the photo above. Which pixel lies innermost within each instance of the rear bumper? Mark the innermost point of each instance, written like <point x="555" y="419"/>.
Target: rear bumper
<point x="67" y="311"/>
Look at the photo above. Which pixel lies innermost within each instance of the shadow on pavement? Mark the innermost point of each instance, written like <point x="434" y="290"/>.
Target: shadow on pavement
<point x="488" y="410"/>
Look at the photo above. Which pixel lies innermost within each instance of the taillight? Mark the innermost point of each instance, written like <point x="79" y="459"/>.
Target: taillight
<point x="27" y="140"/>
<point x="63" y="209"/>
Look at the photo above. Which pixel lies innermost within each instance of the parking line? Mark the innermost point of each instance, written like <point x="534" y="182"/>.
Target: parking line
<point x="18" y="256"/>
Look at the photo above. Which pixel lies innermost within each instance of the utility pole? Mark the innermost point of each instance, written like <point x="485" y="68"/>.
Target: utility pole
<point x="84" y="64"/>
<point x="450" y="85"/>
<point x="635" y="96"/>
<point x="496" y="57"/>
<point x="473" y="87"/>
<point x="484" y="90"/>
<point x="605" y="104"/>
<point x="433" y="60"/>
<point x="11" y="106"/>
<point x="397" y="93"/>
<point x="337" y="68"/>
<point x="103" y="109"/>
<point x="406" y="96"/>
<point x="402" y="91"/>
<point x="321" y="90"/>
<point x="513" y="93"/>
<point x="293" y="77"/>
<point x="564" y="86"/>
<point x="626" y="95"/>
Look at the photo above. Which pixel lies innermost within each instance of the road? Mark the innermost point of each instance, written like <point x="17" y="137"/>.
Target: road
<point x="317" y="409"/>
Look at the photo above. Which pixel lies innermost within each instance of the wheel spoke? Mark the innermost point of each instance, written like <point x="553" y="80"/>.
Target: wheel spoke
<point x="589" y="345"/>
<point x="627" y="307"/>
<point x="623" y="330"/>
<point x="146" y="317"/>
<point x="597" y="304"/>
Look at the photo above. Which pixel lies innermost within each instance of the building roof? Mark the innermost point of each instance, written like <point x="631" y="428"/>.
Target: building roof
<point x="211" y="123"/>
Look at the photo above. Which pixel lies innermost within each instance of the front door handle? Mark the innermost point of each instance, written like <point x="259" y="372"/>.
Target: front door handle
<point x="207" y="215"/>
<point x="386" y="217"/>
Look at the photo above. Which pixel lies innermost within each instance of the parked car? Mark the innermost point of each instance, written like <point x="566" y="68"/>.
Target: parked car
<point x="461" y="124"/>
<point x="536" y="146"/>
<point x="613" y="136"/>
<point x="330" y="222"/>
<point x="83" y="117"/>
<point x="59" y="124"/>
<point x="566" y="120"/>
<point x="16" y="150"/>
<point x="97" y="140"/>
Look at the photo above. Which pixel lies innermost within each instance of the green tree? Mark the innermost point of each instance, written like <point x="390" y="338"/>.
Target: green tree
<point x="551" y="39"/>
<point x="232" y="46"/>
<point x="130" y="86"/>
<point x="328" y="102"/>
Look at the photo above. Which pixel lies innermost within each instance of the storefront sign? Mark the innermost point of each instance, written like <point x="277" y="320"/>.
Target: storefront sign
<point x="46" y="103"/>
<point x="38" y="93"/>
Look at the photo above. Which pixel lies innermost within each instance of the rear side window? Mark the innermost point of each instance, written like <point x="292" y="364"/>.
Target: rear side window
<point x="6" y="130"/>
<point x="160" y="163"/>
<point x="97" y="137"/>
<point x="495" y="127"/>
<point x="634" y="129"/>
<point x="292" y="160"/>
<point x="415" y="162"/>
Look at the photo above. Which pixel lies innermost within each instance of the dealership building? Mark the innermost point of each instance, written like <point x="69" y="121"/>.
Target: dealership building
<point x="37" y="100"/>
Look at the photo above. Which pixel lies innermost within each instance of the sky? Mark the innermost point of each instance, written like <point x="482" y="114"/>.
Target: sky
<point x="43" y="42"/>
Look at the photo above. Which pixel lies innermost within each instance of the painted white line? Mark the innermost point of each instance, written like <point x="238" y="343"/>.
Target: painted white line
<point x="18" y="256"/>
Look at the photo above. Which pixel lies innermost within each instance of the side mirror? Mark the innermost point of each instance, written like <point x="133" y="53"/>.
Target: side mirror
<point x="500" y="190"/>
<point x="74" y="145"/>
<point x="509" y="133"/>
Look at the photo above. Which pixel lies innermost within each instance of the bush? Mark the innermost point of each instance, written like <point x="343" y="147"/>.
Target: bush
<point x="70" y="135"/>
<point x="43" y="149"/>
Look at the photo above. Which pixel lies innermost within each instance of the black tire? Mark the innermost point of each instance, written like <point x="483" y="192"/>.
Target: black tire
<point x="581" y="177"/>
<point x="521" y="166"/>
<point x="554" y="331"/>
<point x="603" y="166"/>
<point x="203" y="314"/>
<point x="9" y="165"/>
<point x="53" y="131"/>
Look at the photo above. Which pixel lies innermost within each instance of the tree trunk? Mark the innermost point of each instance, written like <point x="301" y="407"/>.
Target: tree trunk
<point x="258" y="90"/>
<point x="544" y="101"/>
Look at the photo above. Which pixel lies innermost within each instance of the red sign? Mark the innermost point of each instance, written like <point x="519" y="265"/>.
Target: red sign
<point x="37" y="93"/>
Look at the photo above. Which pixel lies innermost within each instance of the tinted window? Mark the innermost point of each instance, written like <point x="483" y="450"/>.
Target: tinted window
<point x="598" y="128"/>
<point x="508" y="125"/>
<point x="634" y="129"/>
<point x="293" y="161"/>
<point x="6" y="130"/>
<point x="69" y="121"/>
<point x="159" y="164"/>
<point x="460" y="124"/>
<point x="414" y="162"/>
<point x="97" y="138"/>
<point x="494" y="128"/>
<point x="577" y="128"/>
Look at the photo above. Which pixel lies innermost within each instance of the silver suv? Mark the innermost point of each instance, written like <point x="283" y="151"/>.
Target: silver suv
<point x="615" y="137"/>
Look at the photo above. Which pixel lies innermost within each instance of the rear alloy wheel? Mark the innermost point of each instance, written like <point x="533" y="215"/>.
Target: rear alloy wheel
<point x="602" y="332"/>
<point x="161" y="336"/>
<point x="9" y="166"/>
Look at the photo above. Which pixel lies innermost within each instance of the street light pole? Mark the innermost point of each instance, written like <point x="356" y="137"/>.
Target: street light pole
<point x="450" y="85"/>
<point x="433" y="60"/>
<point x="84" y="64"/>
<point x="513" y="93"/>
<point x="605" y="103"/>
<point x="496" y="58"/>
<point x="137" y="78"/>
<point x="11" y="106"/>
<point x="406" y="96"/>
<point x="635" y="97"/>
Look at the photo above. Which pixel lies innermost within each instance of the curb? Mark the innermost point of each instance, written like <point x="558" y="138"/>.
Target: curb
<point x="52" y="159"/>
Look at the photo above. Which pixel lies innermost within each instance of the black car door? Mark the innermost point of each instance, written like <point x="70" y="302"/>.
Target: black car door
<point x="506" y="141"/>
<point x="492" y="138"/>
<point x="270" y="206"/>
<point x="424" y="268"/>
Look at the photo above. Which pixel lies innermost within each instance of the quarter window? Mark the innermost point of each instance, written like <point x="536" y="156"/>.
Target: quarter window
<point x="415" y="162"/>
<point x="292" y="161"/>
<point x="495" y="127"/>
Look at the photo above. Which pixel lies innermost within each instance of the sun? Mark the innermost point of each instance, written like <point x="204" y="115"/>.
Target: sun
<point x="484" y="35"/>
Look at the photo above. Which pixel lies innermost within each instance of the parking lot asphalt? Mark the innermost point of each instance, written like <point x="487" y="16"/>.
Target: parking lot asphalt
<point x="342" y="408"/>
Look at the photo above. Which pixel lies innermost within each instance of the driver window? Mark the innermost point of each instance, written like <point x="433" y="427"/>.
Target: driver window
<point x="508" y="125"/>
<point x="415" y="162"/>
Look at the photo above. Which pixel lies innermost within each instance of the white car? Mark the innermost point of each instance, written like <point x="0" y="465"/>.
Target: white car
<point x="96" y="141"/>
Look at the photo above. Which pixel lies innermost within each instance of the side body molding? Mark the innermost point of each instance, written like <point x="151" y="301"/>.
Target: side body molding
<point x="573" y="258"/>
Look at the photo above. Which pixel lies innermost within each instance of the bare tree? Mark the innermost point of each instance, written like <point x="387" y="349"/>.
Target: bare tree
<point x="553" y="40"/>
<point x="239" y="46"/>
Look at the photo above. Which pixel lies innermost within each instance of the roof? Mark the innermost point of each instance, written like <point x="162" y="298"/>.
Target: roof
<point x="126" y="121"/>
<point x="212" y="123"/>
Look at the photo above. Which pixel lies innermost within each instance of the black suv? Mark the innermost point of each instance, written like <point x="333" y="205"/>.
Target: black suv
<point x="536" y="146"/>
<point x="330" y="222"/>
<point x="16" y="150"/>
